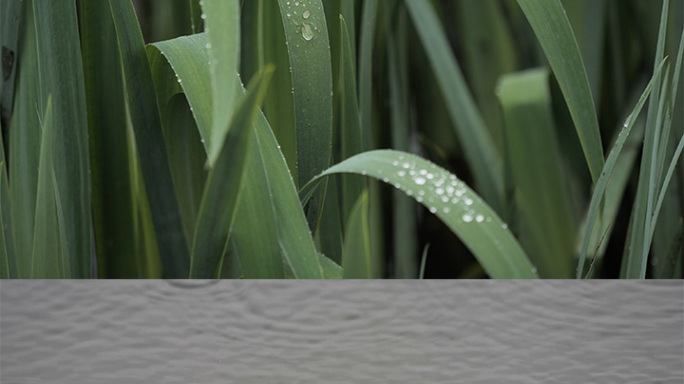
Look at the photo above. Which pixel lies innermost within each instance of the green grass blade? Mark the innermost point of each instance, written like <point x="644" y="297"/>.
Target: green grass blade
<point x="606" y="173"/>
<point x="293" y="234"/>
<point x="48" y="252"/>
<point x="257" y="258"/>
<point x="477" y="144"/>
<point x="464" y="212"/>
<point x="222" y="25"/>
<point x="61" y="75"/>
<point x="187" y="157"/>
<point x="351" y="141"/>
<point x="310" y="66"/>
<point x="538" y="175"/>
<point x="403" y="208"/>
<point x="192" y="75"/>
<point x="307" y="41"/>
<point x="638" y="242"/>
<point x="288" y="224"/>
<point x="553" y="30"/>
<point x="146" y="121"/>
<point x="223" y="186"/>
<point x="264" y="42"/>
<point x="24" y="147"/>
<point x="368" y="20"/>
<point x="110" y="146"/>
<point x="356" y="258"/>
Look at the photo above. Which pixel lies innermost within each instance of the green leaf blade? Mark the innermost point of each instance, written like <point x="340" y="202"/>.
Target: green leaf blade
<point x="553" y="30"/>
<point x="541" y="193"/>
<point x="222" y="25"/>
<point x="478" y="226"/>
<point x="223" y="185"/>
<point x="478" y="146"/>
<point x="146" y="121"/>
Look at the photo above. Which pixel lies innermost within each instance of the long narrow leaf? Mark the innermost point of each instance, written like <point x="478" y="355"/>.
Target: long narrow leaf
<point x="477" y="144"/>
<point x="144" y="114"/>
<point x="113" y="213"/>
<point x="551" y="25"/>
<point x="638" y="243"/>
<point x="607" y="171"/>
<point x="222" y="24"/>
<point x="465" y="213"/>
<point x="48" y="251"/>
<point x="356" y="259"/>
<point x="61" y="75"/>
<point x="223" y="186"/>
<point x="307" y="39"/>
<point x="541" y="191"/>
<point x="288" y="224"/>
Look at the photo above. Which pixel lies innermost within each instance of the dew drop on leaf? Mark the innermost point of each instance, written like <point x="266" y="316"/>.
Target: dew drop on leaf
<point x="307" y="32"/>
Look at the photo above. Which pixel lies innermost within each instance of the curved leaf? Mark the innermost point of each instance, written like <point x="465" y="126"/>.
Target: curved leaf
<point x="464" y="212"/>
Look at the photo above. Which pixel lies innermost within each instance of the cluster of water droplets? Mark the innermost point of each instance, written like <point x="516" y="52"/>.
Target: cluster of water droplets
<point x="304" y="26"/>
<point x="438" y="190"/>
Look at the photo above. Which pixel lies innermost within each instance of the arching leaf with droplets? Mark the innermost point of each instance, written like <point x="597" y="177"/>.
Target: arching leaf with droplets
<point x="463" y="211"/>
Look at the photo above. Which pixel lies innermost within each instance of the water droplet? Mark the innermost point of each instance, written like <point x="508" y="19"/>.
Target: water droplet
<point x="297" y="3"/>
<point x="307" y="33"/>
<point x="439" y="191"/>
<point x="433" y="209"/>
<point x="208" y="45"/>
<point x="467" y="217"/>
<point x="289" y="14"/>
<point x="204" y="16"/>
<point x="430" y="176"/>
<point x="385" y="179"/>
<point x="401" y="173"/>
<point x="419" y="199"/>
<point x="406" y="165"/>
<point x="445" y="199"/>
<point x="419" y="180"/>
<point x="395" y="163"/>
<point x="423" y="172"/>
<point x="363" y="172"/>
<point x="479" y="218"/>
<point x="396" y="185"/>
<point x="504" y="226"/>
<point x="306" y="14"/>
<point x="180" y="81"/>
<point x="445" y="210"/>
<point x="468" y="201"/>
